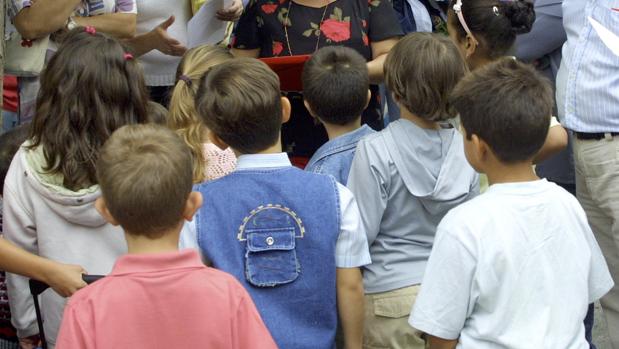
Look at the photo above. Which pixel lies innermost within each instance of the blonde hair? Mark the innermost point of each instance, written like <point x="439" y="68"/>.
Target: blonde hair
<point x="183" y="118"/>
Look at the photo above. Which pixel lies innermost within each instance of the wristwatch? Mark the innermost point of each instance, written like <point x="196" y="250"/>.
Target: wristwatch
<point x="71" y="24"/>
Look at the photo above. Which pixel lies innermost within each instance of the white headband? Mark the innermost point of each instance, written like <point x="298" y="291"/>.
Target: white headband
<point x="458" y="10"/>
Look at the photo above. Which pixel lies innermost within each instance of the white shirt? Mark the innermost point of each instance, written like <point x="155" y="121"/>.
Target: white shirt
<point x="351" y="248"/>
<point x="515" y="267"/>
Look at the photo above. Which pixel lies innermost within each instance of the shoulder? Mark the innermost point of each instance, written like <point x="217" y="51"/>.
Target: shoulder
<point x="470" y="215"/>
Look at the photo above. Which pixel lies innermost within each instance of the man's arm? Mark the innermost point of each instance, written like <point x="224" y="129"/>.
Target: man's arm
<point x="350" y="304"/>
<point x="44" y="17"/>
<point x="119" y="25"/>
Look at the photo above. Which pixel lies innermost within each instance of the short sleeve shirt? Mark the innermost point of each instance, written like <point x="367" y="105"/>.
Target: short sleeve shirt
<point x="350" y="23"/>
<point x="86" y="7"/>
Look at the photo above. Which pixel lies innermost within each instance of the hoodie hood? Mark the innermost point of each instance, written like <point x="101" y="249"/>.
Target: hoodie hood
<point x="76" y="207"/>
<point x="441" y="175"/>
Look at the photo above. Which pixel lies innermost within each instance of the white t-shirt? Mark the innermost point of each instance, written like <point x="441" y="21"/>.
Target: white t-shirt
<point x="515" y="267"/>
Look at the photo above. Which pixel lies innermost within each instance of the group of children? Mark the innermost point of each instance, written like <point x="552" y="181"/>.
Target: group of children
<point x="384" y="235"/>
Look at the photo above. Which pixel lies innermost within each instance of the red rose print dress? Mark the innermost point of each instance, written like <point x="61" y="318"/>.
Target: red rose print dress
<point x="351" y="23"/>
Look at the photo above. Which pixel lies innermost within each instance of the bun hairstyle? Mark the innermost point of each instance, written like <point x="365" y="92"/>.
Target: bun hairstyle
<point x="494" y="23"/>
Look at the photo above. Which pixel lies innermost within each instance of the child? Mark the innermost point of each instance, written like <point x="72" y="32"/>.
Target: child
<point x="293" y="238"/>
<point x="485" y="30"/>
<point x="168" y="299"/>
<point x="517" y="266"/>
<point x="210" y="161"/>
<point x="405" y="179"/>
<point x="336" y="91"/>
<point x="157" y="113"/>
<point x="90" y="88"/>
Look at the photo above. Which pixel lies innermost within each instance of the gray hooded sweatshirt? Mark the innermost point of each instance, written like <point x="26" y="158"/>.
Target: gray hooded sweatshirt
<point x="43" y="217"/>
<point x="405" y="179"/>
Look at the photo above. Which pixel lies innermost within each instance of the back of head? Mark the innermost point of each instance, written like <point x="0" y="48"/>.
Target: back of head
<point x="10" y="142"/>
<point x="240" y="102"/>
<point x="508" y="105"/>
<point x="89" y="88"/>
<point x="157" y="113"/>
<point x="421" y="70"/>
<point x="183" y="117"/>
<point x="335" y="84"/>
<point x="145" y="177"/>
<point x="494" y="23"/>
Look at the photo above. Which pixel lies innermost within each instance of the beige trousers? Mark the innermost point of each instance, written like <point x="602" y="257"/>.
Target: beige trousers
<point x="386" y="320"/>
<point x="597" y="188"/>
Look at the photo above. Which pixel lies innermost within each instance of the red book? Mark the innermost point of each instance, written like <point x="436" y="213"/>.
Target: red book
<point x="289" y="69"/>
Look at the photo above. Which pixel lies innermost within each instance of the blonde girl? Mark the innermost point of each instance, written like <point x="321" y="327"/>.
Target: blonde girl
<point x="210" y="161"/>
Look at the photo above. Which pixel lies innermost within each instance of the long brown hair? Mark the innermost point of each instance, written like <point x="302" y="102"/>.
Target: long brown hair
<point x="89" y="88"/>
<point x="183" y="117"/>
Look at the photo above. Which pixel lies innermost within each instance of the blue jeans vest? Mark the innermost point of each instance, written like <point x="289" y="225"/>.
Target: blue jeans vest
<point x="275" y="230"/>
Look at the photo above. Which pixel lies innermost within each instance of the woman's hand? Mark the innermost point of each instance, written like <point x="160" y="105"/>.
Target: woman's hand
<point x="231" y="13"/>
<point x="65" y="279"/>
<point x="163" y="42"/>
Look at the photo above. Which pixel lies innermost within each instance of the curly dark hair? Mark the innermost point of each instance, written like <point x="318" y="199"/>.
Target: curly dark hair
<point x="88" y="89"/>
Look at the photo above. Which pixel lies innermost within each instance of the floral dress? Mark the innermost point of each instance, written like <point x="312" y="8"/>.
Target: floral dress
<point x="350" y="23"/>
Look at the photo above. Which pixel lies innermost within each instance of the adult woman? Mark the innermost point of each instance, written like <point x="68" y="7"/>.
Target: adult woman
<point x="295" y="27"/>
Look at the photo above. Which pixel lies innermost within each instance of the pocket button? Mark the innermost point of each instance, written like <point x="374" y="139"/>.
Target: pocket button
<point x="270" y="241"/>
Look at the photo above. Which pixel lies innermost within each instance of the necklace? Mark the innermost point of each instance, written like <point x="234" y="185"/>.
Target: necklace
<point x="286" y="22"/>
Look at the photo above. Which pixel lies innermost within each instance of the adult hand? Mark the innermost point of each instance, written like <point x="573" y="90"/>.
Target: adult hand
<point x="163" y="42"/>
<point x="65" y="279"/>
<point x="231" y="13"/>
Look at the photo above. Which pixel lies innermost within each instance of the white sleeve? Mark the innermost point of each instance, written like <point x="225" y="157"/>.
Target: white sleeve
<point x="19" y="228"/>
<point x="351" y="249"/>
<point x="446" y="296"/>
<point x="189" y="236"/>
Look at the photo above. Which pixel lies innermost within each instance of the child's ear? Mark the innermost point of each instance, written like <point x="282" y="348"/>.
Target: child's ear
<point x="213" y="138"/>
<point x="309" y="109"/>
<point x="470" y="46"/>
<point x="286" y="108"/>
<point x="370" y="98"/>
<point x="101" y="207"/>
<point x="194" y="202"/>
<point x="481" y="148"/>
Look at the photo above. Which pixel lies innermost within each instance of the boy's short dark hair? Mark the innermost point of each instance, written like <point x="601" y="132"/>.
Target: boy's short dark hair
<point x="335" y="84"/>
<point x="508" y="105"/>
<point x="10" y="142"/>
<point x="421" y="70"/>
<point x="240" y="102"/>
<point x="146" y="174"/>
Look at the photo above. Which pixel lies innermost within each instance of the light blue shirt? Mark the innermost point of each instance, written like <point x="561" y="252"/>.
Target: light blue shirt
<point x="588" y="81"/>
<point x="351" y="248"/>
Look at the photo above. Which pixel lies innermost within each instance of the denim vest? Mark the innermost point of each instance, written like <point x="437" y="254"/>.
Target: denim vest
<point x="335" y="157"/>
<point x="275" y="230"/>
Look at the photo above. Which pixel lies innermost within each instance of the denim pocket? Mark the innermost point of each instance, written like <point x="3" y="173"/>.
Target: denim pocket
<point x="270" y="257"/>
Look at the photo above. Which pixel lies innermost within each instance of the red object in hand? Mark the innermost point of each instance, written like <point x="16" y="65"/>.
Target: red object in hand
<point x="289" y="69"/>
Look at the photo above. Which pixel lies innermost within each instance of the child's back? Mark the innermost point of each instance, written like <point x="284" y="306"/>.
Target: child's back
<point x="164" y="300"/>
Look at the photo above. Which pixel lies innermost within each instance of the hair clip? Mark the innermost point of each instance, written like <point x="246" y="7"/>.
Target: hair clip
<point x="128" y="56"/>
<point x="457" y="7"/>
<point x="90" y="30"/>
<point x="186" y="79"/>
<point x="495" y="9"/>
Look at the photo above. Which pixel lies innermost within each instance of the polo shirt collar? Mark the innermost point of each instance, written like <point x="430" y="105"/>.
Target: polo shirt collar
<point x="157" y="262"/>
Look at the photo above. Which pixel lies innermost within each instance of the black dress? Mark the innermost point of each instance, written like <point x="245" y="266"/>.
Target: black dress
<point x="350" y="23"/>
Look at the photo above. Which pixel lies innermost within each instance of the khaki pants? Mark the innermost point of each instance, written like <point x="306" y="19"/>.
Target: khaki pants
<point x="386" y="320"/>
<point x="597" y="189"/>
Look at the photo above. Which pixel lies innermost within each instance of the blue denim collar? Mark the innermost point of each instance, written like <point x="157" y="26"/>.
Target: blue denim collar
<point x="253" y="161"/>
<point x="342" y="143"/>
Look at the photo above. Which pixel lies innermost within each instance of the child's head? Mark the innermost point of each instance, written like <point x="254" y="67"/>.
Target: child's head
<point x="421" y="70"/>
<point x="336" y="85"/>
<point x="240" y="103"/>
<point x="505" y="109"/>
<point x="90" y="87"/>
<point x="492" y="26"/>
<point x="10" y="142"/>
<point x="145" y="174"/>
<point x="183" y="117"/>
<point x="157" y="113"/>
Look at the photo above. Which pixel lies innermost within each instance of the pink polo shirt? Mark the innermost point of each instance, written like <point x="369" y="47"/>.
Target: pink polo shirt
<point x="168" y="300"/>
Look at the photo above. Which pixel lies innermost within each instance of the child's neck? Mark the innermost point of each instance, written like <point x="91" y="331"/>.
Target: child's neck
<point x="423" y="123"/>
<point x="334" y="131"/>
<point x="140" y="244"/>
<point x="274" y="149"/>
<point x="510" y="173"/>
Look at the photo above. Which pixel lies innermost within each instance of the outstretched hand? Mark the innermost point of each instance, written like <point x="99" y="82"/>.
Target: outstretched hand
<point x="231" y="13"/>
<point x="164" y="42"/>
<point x="65" y="279"/>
